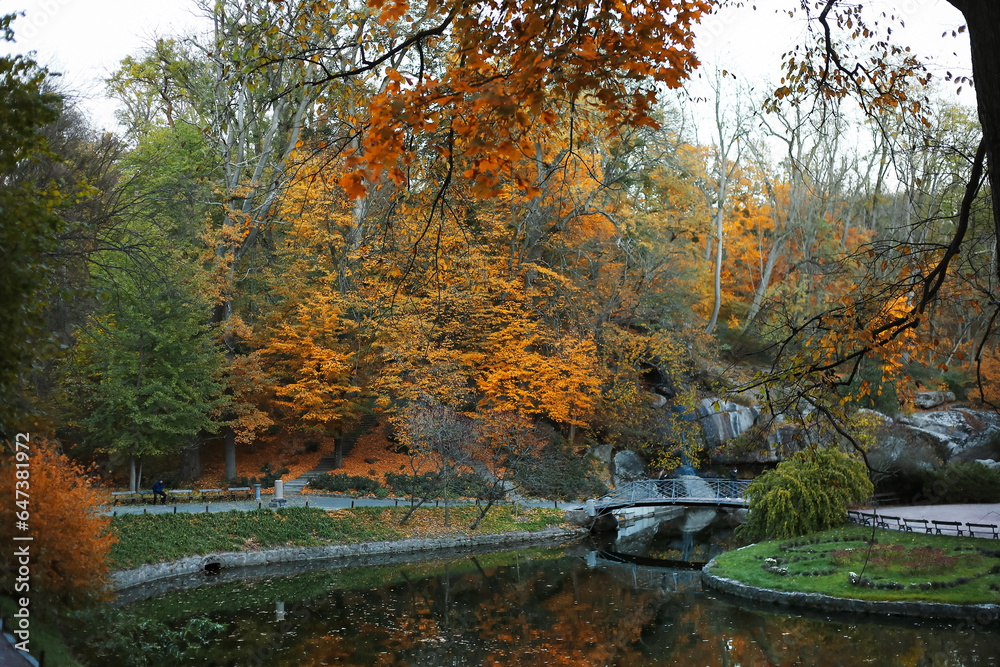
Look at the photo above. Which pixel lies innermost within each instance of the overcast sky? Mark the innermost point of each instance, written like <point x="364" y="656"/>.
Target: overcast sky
<point x="85" y="39"/>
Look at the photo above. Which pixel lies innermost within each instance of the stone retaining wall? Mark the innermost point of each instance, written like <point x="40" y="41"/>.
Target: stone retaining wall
<point x="125" y="579"/>
<point x="982" y="613"/>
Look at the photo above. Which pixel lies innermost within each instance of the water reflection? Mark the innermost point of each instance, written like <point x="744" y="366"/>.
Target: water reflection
<point x="530" y="608"/>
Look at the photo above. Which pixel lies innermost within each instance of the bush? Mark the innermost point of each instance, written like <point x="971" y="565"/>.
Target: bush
<point x="266" y="479"/>
<point x="344" y="483"/>
<point x="312" y="446"/>
<point x="559" y="474"/>
<point x="71" y="537"/>
<point x="429" y="485"/>
<point x="806" y="493"/>
<point x="962" y="483"/>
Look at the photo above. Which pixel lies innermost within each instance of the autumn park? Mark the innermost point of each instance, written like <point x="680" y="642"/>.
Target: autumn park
<point x="436" y="273"/>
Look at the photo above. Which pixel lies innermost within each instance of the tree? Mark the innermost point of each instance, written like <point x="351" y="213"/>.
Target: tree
<point x="504" y="443"/>
<point x="30" y="224"/>
<point x="71" y="537"/>
<point x="435" y="438"/>
<point x="150" y="376"/>
<point x="806" y="493"/>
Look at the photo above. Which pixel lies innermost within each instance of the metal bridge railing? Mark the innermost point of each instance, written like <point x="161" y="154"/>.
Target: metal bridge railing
<point x="676" y="489"/>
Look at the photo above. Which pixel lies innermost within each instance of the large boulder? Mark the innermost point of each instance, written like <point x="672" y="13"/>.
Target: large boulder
<point x="722" y="421"/>
<point x="925" y="400"/>
<point x="960" y="435"/>
<point x="628" y="467"/>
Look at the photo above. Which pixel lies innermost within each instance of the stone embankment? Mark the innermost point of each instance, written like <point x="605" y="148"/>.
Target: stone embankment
<point x="218" y="562"/>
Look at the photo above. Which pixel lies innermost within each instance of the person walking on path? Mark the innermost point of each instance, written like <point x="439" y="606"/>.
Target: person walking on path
<point x="158" y="491"/>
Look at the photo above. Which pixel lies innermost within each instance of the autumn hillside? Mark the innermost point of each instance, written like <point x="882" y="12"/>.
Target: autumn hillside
<point x="508" y="253"/>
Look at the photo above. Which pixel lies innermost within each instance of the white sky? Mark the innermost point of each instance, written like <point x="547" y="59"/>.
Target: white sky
<point x="85" y="39"/>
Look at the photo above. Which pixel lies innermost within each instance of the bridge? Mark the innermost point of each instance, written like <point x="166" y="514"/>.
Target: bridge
<point x="688" y="491"/>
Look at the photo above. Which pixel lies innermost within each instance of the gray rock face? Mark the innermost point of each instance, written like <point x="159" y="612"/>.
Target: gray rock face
<point x="931" y="399"/>
<point x="657" y="400"/>
<point x="989" y="463"/>
<point x="628" y="468"/>
<point x="963" y="435"/>
<point x="602" y="453"/>
<point x="723" y="420"/>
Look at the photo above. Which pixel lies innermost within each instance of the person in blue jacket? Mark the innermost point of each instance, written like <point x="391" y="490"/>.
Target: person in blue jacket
<point x="158" y="491"/>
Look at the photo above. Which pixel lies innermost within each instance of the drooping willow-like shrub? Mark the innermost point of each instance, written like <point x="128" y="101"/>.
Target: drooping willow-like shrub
<point x="808" y="492"/>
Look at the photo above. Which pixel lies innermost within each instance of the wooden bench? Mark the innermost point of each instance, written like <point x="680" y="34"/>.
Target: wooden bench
<point x="991" y="526"/>
<point x="864" y="519"/>
<point x="949" y="525"/>
<point x="180" y="494"/>
<point x="210" y="493"/>
<point x="923" y="523"/>
<point x="124" y="496"/>
<point x="884" y="519"/>
<point x="129" y="496"/>
<point x="885" y="499"/>
<point x="236" y="491"/>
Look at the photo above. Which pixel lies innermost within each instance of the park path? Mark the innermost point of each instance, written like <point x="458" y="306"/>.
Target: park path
<point x="299" y="500"/>
<point x="11" y="657"/>
<point x="970" y="513"/>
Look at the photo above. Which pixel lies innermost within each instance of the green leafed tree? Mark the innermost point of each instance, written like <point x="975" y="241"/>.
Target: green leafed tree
<point x="806" y="493"/>
<point x="28" y="223"/>
<point x="150" y="376"/>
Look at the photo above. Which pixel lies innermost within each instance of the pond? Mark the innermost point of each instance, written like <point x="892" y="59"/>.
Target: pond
<point x="584" y="604"/>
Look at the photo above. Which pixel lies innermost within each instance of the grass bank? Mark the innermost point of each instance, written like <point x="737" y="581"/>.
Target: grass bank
<point x="155" y="538"/>
<point x="894" y="566"/>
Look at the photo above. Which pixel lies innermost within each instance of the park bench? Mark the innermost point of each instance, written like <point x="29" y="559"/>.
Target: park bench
<point x="884" y="519"/>
<point x="883" y="499"/>
<point x="210" y="493"/>
<point x="130" y="497"/>
<point x="908" y="525"/>
<point x="180" y="494"/>
<point x="240" y="491"/>
<point x="861" y="517"/>
<point x="123" y="497"/>
<point x="991" y="526"/>
<point x="949" y="525"/>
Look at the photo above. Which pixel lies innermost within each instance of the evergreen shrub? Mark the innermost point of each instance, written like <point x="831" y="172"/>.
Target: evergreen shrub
<point x="344" y="483"/>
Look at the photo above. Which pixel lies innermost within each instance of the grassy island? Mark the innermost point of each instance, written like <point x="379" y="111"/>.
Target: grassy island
<point x="884" y="565"/>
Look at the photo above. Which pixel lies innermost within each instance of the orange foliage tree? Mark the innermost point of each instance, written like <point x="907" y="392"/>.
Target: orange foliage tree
<point x="71" y="539"/>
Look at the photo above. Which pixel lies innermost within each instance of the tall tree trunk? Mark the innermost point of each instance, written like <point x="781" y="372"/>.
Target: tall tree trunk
<point x="765" y="282"/>
<point x="338" y="452"/>
<point x="134" y="472"/>
<point x="719" y="217"/>
<point x="983" y="20"/>
<point x="230" y="453"/>
<point x="191" y="464"/>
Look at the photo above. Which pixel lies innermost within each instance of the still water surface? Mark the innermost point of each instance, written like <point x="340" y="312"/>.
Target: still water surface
<point x="560" y="606"/>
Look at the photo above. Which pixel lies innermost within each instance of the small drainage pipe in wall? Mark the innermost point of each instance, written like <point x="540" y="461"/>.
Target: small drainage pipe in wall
<point x="214" y="567"/>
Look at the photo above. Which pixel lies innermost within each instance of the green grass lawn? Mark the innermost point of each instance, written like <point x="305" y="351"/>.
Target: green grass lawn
<point x="154" y="538"/>
<point x="897" y="566"/>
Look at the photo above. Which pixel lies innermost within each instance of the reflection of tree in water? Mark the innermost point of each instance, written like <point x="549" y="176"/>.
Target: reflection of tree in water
<point x="550" y="611"/>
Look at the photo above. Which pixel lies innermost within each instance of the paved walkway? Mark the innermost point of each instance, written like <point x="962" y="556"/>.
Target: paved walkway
<point x="11" y="657"/>
<point x="300" y="500"/>
<point x="980" y="513"/>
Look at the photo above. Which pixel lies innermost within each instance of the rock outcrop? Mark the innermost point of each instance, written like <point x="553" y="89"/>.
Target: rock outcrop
<point x="925" y="400"/>
<point x="959" y="435"/>
<point x="628" y="467"/>
<point x="722" y="421"/>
